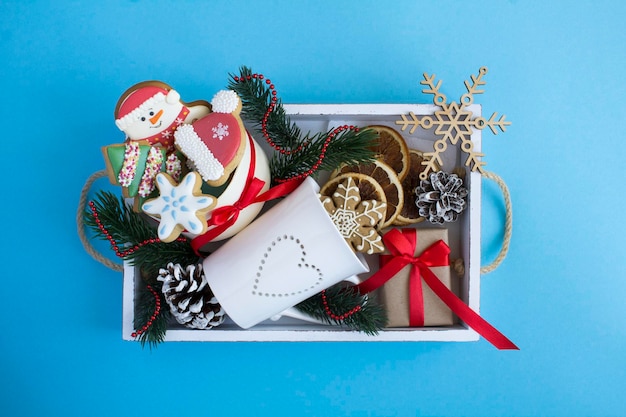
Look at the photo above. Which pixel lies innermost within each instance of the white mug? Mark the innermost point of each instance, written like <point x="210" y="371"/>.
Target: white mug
<point x="287" y="255"/>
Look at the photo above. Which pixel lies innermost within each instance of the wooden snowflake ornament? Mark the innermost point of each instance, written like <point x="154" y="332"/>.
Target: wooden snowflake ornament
<point x="356" y="220"/>
<point x="454" y="123"/>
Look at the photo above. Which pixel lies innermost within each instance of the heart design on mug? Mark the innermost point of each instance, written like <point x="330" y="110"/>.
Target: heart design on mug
<point x="294" y="266"/>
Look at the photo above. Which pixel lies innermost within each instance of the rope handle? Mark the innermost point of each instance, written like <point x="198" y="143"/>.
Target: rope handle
<point x="508" y="223"/>
<point x="80" y="224"/>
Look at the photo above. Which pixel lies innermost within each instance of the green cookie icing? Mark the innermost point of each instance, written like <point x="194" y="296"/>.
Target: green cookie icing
<point x="115" y="153"/>
<point x="216" y="191"/>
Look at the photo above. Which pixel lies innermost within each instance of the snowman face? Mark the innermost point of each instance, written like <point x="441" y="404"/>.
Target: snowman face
<point x="153" y="119"/>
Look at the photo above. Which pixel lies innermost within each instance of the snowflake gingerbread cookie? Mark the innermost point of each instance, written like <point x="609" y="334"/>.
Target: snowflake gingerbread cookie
<point x="148" y="113"/>
<point x="180" y="206"/>
<point x="356" y="219"/>
<point x="215" y="143"/>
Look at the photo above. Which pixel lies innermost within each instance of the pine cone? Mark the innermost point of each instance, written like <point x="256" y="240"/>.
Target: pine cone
<point x="191" y="300"/>
<point x="441" y="198"/>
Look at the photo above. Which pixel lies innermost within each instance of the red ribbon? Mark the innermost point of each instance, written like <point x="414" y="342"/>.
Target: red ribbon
<point x="401" y="244"/>
<point x="224" y="217"/>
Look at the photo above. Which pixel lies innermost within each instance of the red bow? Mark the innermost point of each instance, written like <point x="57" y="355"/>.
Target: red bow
<point x="224" y="217"/>
<point x="228" y="214"/>
<point x="401" y="244"/>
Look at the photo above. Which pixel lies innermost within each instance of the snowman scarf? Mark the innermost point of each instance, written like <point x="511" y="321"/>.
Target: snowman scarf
<point x="165" y="137"/>
<point x="153" y="165"/>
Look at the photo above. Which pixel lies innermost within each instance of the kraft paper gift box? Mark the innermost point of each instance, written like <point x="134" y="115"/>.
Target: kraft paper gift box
<point x="395" y="296"/>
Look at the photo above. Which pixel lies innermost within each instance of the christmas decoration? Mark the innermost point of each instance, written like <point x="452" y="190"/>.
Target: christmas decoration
<point x="390" y="168"/>
<point x="391" y="149"/>
<point x="339" y="145"/>
<point x="407" y="301"/>
<point x="408" y="251"/>
<point x="215" y="143"/>
<point x="341" y="305"/>
<point x="389" y="182"/>
<point x="196" y="172"/>
<point x="131" y="236"/>
<point x="355" y="219"/>
<point x="148" y="113"/>
<point x="150" y="320"/>
<point x="152" y="111"/>
<point x="289" y="253"/>
<point x="453" y="122"/>
<point x="441" y="198"/>
<point x="179" y="206"/>
<point x="134" y="166"/>
<point x="409" y="213"/>
<point x="191" y="301"/>
<point x="297" y="155"/>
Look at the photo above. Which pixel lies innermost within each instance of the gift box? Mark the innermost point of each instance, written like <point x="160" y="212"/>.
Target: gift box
<point x="396" y="296"/>
<point x="463" y="240"/>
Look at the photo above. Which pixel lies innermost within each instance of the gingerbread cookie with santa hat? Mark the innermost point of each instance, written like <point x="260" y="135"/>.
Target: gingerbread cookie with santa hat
<point x="152" y="111"/>
<point x="215" y="143"/>
<point x="148" y="113"/>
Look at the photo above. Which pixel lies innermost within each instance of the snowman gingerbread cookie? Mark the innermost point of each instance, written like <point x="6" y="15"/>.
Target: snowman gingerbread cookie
<point x="148" y="113"/>
<point x="215" y="143"/>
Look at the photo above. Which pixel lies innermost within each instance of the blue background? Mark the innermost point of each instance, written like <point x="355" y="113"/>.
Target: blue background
<point x="555" y="69"/>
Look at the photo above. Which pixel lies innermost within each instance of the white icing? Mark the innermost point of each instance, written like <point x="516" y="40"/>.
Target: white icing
<point x="158" y="114"/>
<point x="129" y="166"/>
<point x="220" y="131"/>
<point x="172" y="96"/>
<point x="173" y="167"/>
<point x="225" y="101"/>
<point x="152" y="168"/>
<point x="177" y="205"/>
<point x="346" y="222"/>
<point x="203" y="160"/>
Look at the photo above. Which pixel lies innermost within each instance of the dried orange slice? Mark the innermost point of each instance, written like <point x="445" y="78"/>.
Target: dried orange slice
<point x="386" y="177"/>
<point x="369" y="189"/>
<point x="409" y="214"/>
<point x="391" y="149"/>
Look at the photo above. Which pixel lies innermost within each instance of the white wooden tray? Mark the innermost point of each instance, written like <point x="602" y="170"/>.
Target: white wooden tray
<point x="464" y="241"/>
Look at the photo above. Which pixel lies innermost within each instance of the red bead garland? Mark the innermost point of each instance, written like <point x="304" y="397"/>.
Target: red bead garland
<point x="334" y="316"/>
<point x="157" y="310"/>
<point x="114" y="245"/>
<point x="157" y="299"/>
<point x="282" y="150"/>
<point x="269" y="110"/>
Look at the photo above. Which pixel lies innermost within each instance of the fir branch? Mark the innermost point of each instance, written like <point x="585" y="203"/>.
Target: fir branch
<point x="119" y="220"/>
<point x="153" y="257"/>
<point x="300" y="153"/>
<point x="128" y="228"/>
<point x="346" y="148"/>
<point x="370" y="319"/>
<point x="256" y="96"/>
<point x="144" y="308"/>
